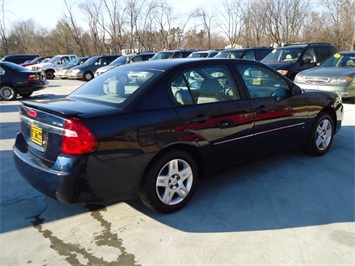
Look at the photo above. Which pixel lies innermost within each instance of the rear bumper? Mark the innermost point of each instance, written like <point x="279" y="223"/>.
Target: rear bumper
<point x="81" y="179"/>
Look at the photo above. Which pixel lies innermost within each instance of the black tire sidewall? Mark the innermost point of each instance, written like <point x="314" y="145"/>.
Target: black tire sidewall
<point x="14" y="93"/>
<point x="49" y="74"/>
<point x="88" y="74"/>
<point x="148" y="193"/>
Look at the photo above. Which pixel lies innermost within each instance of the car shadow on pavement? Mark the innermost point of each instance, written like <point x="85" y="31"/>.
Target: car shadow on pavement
<point x="284" y="190"/>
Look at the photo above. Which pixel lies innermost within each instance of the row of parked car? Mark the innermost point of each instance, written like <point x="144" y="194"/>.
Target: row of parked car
<point x="337" y="73"/>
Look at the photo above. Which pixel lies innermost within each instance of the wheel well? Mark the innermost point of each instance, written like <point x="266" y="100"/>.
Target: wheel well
<point x="183" y="147"/>
<point x="7" y="84"/>
<point x="332" y="114"/>
<point x="49" y="69"/>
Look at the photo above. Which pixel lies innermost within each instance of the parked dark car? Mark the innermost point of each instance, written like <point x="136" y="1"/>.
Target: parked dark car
<point x="19" y="58"/>
<point x="293" y="58"/>
<point x="125" y="59"/>
<point x="62" y="72"/>
<point x="87" y="70"/>
<point x="251" y="53"/>
<point x="17" y="80"/>
<point x="172" y="54"/>
<point x="204" y="54"/>
<point x="152" y="129"/>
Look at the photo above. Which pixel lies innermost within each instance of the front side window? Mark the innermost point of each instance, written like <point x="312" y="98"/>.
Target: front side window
<point x="261" y="82"/>
<point x="204" y="85"/>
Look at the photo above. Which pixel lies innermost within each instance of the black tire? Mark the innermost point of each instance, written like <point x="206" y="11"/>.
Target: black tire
<point x="178" y="174"/>
<point x="88" y="76"/>
<point x="50" y="74"/>
<point x="321" y="136"/>
<point x="7" y="93"/>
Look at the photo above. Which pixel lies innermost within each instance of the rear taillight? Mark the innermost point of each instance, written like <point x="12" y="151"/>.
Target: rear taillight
<point x="77" y="138"/>
<point x="33" y="78"/>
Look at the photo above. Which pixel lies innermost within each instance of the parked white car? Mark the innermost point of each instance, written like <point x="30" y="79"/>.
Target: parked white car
<point x="53" y="64"/>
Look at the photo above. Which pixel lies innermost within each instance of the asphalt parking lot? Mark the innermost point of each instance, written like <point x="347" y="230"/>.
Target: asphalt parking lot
<point x="286" y="209"/>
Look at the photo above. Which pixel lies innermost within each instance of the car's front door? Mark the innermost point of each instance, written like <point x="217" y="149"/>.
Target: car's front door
<point x="279" y="116"/>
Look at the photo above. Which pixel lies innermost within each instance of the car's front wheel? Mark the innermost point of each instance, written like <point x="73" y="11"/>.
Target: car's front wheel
<point x="7" y="93"/>
<point x="321" y="136"/>
<point x="88" y="76"/>
<point x="169" y="184"/>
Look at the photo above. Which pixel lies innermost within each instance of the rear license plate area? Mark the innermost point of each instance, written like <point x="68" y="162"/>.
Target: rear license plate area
<point x="37" y="135"/>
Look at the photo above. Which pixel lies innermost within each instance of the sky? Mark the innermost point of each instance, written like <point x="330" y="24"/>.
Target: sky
<point x="47" y="12"/>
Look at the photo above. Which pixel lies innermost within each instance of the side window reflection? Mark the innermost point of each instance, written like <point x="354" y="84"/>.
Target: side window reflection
<point x="204" y="85"/>
<point x="262" y="82"/>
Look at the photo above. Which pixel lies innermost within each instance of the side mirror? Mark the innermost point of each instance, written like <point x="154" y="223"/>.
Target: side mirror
<point x="296" y="90"/>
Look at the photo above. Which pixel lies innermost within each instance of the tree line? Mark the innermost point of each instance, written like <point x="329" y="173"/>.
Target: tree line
<point x="116" y="26"/>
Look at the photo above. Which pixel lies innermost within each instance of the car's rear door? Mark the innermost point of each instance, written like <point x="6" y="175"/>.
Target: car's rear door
<point x="213" y="114"/>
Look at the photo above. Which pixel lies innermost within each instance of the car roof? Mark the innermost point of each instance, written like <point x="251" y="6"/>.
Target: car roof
<point x="169" y="63"/>
<point x="304" y="45"/>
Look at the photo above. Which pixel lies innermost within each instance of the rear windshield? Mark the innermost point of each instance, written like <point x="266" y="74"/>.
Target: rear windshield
<point x="116" y="87"/>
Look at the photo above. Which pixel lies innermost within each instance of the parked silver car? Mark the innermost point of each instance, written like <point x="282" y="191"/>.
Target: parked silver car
<point x="336" y="74"/>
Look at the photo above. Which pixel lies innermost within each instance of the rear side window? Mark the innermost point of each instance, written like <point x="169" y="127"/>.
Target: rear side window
<point x="323" y="53"/>
<point x="204" y="85"/>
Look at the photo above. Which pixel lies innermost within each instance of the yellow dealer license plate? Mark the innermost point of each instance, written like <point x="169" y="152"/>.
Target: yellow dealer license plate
<point x="36" y="135"/>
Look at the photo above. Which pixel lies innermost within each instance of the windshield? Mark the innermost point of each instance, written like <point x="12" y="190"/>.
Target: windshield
<point x="283" y="54"/>
<point x="90" y="61"/>
<point x="230" y="54"/>
<point x="198" y="55"/>
<point x="116" y="87"/>
<point x="340" y="60"/>
<point x="54" y="59"/>
<point x="120" y="60"/>
<point x="162" y="55"/>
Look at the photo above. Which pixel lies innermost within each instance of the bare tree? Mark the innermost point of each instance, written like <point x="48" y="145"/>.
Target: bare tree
<point x="76" y="31"/>
<point x="283" y="19"/>
<point x="207" y="23"/>
<point x="163" y="16"/>
<point x="341" y="21"/>
<point x="4" y="45"/>
<point x="231" y="21"/>
<point x="92" y="11"/>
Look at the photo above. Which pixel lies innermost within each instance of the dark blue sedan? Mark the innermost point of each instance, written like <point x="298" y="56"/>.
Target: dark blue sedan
<point x="153" y="129"/>
<point x="18" y="80"/>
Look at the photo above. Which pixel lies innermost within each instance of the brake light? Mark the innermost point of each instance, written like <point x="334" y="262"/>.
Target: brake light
<point x="32" y="113"/>
<point x="33" y="78"/>
<point x="77" y="138"/>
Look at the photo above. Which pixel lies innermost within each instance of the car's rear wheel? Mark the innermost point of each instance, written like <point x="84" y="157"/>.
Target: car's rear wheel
<point x="88" y="76"/>
<point x="7" y="93"/>
<point x="322" y="134"/>
<point x="50" y="74"/>
<point x="169" y="184"/>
